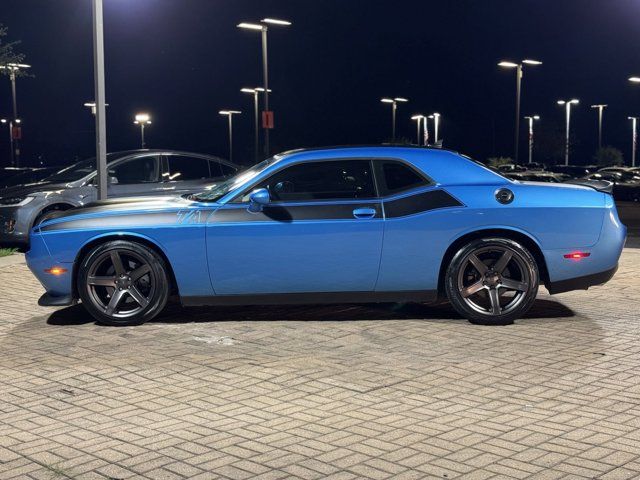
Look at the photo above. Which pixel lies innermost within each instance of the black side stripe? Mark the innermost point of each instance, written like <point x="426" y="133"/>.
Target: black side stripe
<point x="419" y="203"/>
<point x="290" y="213"/>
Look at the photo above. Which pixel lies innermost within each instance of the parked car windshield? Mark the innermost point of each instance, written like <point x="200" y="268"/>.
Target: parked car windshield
<point x="79" y="170"/>
<point x="219" y="190"/>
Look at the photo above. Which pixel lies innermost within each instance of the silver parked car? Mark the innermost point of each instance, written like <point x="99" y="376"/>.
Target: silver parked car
<point x="131" y="173"/>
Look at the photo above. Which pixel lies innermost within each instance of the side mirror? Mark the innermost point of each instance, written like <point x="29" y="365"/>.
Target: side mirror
<point x="258" y="199"/>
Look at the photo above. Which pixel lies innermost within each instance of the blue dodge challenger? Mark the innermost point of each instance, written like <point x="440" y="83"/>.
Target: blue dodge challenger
<point x="349" y="224"/>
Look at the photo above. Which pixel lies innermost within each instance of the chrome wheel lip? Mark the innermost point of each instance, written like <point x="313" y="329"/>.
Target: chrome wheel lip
<point x="123" y="282"/>
<point x="492" y="280"/>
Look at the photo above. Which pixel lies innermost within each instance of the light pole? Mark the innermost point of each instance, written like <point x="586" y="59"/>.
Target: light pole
<point x="267" y="115"/>
<point x="394" y="107"/>
<point x="14" y="69"/>
<point x="600" y="108"/>
<point x="9" y="123"/>
<point x="634" y="141"/>
<point x="255" y="92"/>
<point x="567" y="104"/>
<point x="100" y="115"/>
<point x="142" y="119"/>
<point x="518" y="67"/>
<point x="418" y="119"/>
<point x="531" y="118"/>
<point x="426" y="131"/>
<point x="436" y="125"/>
<point x="230" y="114"/>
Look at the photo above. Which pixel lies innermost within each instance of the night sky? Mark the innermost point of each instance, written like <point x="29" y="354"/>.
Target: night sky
<point x="183" y="60"/>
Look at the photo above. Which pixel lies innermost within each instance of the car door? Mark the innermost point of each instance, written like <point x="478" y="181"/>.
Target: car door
<point x="135" y="176"/>
<point x="189" y="173"/>
<point x="321" y="232"/>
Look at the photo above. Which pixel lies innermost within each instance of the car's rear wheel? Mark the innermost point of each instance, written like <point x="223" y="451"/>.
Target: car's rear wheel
<point x="123" y="283"/>
<point x="492" y="281"/>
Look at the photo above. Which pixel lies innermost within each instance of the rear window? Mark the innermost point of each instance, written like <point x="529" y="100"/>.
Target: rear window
<point x="397" y="177"/>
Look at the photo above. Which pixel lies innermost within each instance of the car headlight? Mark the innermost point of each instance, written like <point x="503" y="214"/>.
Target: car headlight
<point x="15" y="201"/>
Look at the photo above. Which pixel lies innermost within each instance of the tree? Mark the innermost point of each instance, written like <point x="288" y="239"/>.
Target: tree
<point x="7" y="50"/>
<point x="608" y="156"/>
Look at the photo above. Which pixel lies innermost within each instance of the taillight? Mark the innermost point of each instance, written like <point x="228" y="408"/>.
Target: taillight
<point x="577" y="255"/>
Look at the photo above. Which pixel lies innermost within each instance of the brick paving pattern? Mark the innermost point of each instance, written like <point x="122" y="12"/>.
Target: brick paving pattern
<point x="337" y="392"/>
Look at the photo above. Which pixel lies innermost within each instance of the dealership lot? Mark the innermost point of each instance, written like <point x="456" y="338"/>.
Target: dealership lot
<point x="322" y="392"/>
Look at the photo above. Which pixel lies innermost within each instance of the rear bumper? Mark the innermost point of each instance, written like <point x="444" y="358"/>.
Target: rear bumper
<point x="581" y="283"/>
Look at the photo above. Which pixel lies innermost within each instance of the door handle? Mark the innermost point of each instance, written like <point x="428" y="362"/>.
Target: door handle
<point x="365" y="212"/>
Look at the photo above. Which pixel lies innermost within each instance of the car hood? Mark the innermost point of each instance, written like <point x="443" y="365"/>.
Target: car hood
<point x="23" y="190"/>
<point x="123" y="206"/>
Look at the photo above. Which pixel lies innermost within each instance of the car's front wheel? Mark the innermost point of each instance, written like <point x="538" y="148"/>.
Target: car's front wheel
<point x="492" y="281"/>
<point x="123" y="283"/>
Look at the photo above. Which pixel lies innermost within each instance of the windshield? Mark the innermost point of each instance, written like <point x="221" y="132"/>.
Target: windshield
<point x="79" y="170"/>
<point x="74" y="172"/>
<point x="219" y="190"/>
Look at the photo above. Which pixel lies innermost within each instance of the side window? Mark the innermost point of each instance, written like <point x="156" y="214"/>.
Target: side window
<point x="328" y="180"/>
<point x="137" y="170"/>
<point x="182" y="167"/>
<point x="398" y="177"/>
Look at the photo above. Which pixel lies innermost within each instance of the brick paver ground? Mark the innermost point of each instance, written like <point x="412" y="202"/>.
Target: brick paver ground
<point x="335" y="392"/>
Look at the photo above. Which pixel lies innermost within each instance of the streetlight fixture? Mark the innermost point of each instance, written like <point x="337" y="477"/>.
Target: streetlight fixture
<point x="142" y="119"/>
<point x="418" y="119"/>
<point x="92" y="106"/>
<point x="567" y="104"/>
<point x="634" y="141"/>
<point x="531" y="118"/>
<point x="634" y="79"/>
<point x="394" y="107"/>
<point x="518" y="67"/>
<point x="230" y="114"/>
<point x="255" y="92"/>
<point x="13" y="69"/>
<point x="267" y="115"/>
<point x="600" y="108"/>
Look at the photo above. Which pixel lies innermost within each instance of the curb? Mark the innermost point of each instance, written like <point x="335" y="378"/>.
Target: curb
<point x="14" y="259"/>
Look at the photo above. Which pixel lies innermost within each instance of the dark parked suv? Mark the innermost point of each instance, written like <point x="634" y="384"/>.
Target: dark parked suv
<point x="131" y="173"/>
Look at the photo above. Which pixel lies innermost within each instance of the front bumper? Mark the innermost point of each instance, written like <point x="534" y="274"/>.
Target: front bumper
<point x="14" y="230"/>
<point x="48" y="300"/>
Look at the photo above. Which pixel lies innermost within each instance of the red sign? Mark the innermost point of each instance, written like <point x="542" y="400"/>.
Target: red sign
<point x="267" y="119"/>
<point x="16" y="134"/>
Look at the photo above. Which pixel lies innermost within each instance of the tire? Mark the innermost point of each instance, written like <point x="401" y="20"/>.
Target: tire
<point x="123" y="283"/>
<point x="492" y="281"/>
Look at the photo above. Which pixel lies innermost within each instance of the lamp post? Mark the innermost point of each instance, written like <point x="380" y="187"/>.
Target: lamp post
<point x="100" y="115"/>
<point x="230" y="114"/>
<point x="418" y="119"/>
<point x="255" y="92"/>
<point x="9" y="123"/>
<point x="142" y="119"/>
<point x="394" y="107"/>
<point x="518" y="67"/>
<point x="267" y="116"/>
<point x="634" y="141"/>
<point x="531" y="118"/>
<point x="600" y="108"/>
<point x="14" y="69"/>
<point x="567" y="104"/>
<point x="436" y="125"/>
